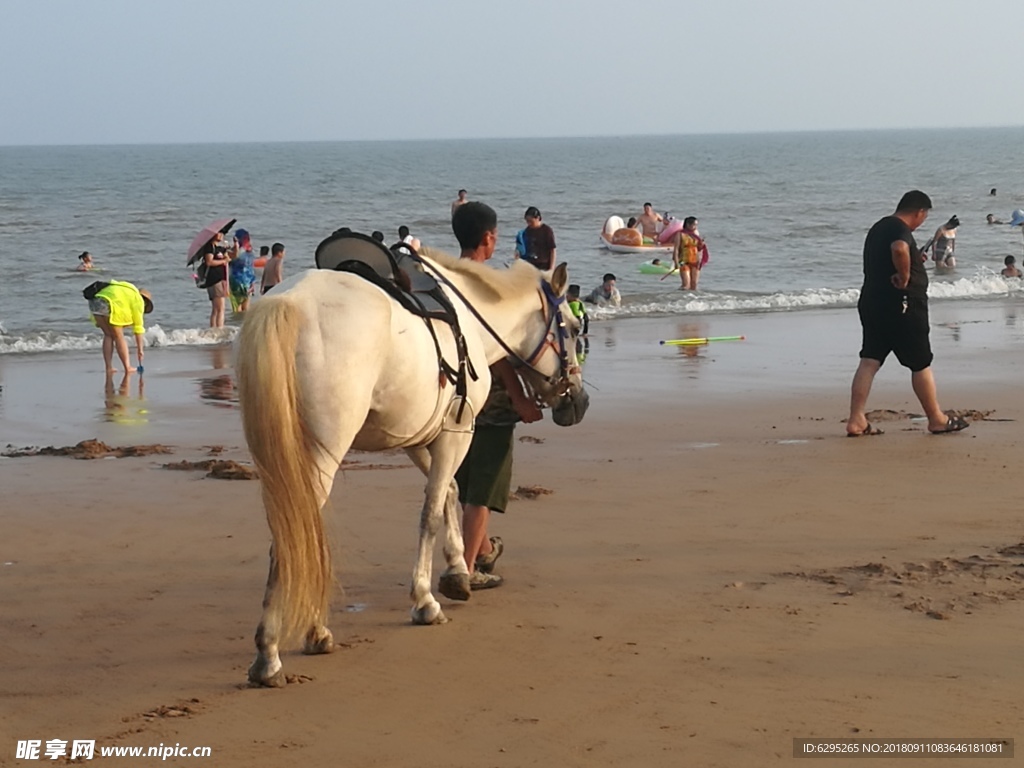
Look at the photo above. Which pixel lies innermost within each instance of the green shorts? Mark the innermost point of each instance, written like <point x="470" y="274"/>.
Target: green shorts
<point x="486" y="473"/>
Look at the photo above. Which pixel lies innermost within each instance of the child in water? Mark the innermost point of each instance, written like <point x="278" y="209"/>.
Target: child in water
<point x="86" y="259"/>
<point x="579" y="311"/>
<point x="1010" y="268"/>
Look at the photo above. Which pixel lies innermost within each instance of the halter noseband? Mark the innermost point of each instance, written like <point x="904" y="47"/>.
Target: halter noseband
<point x="550" y="307"/>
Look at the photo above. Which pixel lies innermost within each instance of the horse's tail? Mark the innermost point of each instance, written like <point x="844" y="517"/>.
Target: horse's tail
<point x="284" y="451"/>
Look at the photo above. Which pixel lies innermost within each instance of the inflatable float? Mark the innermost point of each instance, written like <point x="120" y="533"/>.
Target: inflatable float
<point x="618" y="238"/>
<point x="260" y="263"/>
<point x="647" y="268"/>
<point x="674" y="227"/>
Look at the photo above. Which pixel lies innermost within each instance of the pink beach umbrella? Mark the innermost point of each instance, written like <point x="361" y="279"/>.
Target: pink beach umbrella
<point x="206" y="234"/>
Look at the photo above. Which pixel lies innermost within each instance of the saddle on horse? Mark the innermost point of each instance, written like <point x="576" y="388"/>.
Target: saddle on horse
<point x="398" y="272"/>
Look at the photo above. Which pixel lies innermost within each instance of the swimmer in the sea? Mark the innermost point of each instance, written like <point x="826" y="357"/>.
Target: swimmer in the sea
<point x="86" y="259"/>
<point x="1010" y="268"/>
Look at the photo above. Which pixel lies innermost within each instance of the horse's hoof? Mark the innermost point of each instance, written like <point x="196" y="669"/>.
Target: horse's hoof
<point x="319" y="641"/>
<point x="258" y="675"/>
<point x="431" y="613"/>
<point x="454" y="586"/>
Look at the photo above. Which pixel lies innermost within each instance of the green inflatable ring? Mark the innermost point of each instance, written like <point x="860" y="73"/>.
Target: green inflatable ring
<point x="655" y="269"/>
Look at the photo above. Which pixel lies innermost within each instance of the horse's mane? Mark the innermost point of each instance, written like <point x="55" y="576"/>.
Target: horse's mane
<point x="518" y="278"/>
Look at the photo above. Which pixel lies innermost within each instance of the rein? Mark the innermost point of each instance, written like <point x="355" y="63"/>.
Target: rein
<point x="549" y="302"/>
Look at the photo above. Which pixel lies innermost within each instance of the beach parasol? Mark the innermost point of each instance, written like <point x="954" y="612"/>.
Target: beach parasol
<point x="206" y="234"/>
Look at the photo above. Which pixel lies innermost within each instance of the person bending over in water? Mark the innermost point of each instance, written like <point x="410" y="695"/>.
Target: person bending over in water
<point x="86" y="259"/>
<point x="1010" y="268"/>
<point x="116" y="306"/>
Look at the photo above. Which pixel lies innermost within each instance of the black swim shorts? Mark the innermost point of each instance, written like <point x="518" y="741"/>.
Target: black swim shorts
<point x="887" y="328"/>
<point x="485" y="476"/>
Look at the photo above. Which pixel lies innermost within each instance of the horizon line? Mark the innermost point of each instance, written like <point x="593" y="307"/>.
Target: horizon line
<point x="510" y="138"/>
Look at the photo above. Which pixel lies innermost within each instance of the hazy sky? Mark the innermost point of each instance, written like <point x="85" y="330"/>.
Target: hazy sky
<point x="142" y="71"/>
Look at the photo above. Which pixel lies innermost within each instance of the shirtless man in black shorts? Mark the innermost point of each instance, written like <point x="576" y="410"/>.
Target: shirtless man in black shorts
<point x="893" y="310"/>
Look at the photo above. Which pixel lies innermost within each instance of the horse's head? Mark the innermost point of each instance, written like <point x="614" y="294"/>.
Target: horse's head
<point x="552" y="371"/>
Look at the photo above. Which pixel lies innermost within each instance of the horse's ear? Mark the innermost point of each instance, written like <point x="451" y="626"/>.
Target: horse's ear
<point x="560" y="279"/>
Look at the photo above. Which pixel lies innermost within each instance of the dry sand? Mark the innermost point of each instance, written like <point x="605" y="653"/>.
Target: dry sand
<point x="717" y="571"/>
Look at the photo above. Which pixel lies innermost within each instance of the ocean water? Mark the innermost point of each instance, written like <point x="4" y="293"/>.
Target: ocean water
<point x="784" y="214"/>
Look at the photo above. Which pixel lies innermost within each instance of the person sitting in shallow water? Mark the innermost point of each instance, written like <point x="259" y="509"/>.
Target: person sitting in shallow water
<point x="606" y="292"/>
<point x="86" y="262"/>
<point x="1010" y="268"/>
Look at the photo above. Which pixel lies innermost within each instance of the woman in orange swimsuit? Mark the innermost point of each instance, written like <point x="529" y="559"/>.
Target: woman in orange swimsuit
<point x="687" y="251"/>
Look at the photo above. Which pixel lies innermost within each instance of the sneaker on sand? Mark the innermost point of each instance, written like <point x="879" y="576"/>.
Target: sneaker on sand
<point x="485" y="563"/>
<point x="481" y="580"/>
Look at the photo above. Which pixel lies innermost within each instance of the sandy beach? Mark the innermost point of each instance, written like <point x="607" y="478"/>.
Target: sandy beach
<point x="716" y="572"/>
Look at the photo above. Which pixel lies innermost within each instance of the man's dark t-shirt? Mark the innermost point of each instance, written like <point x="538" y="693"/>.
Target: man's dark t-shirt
<point x="879" y="269"/>
<point x="540" y="242"/>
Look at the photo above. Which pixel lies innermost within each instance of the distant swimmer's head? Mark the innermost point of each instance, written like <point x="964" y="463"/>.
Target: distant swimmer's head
<point x="147" y="301"/>
<point x="990" y="219"/>
<point x="992" y="192"/>
<point x="1009" y="261"/>
<point x="86" y="258"/>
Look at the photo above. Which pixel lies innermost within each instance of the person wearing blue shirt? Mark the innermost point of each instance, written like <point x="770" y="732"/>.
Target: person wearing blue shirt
<point x="242" y="273"/>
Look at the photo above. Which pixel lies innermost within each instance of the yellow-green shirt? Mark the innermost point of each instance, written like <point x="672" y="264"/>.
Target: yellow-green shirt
<point x="126" y="305"/>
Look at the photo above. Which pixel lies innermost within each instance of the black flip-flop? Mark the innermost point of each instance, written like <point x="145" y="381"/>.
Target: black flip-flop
<point x="955" y="424"/>
<point x="868" y="431"/>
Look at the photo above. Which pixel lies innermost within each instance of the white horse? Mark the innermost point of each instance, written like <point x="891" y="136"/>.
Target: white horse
<point x="328" y="362"/>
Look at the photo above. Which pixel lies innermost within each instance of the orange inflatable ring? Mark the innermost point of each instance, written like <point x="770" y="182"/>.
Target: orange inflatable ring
<point x="259" y="263"/>
<point x="627" y="236"/>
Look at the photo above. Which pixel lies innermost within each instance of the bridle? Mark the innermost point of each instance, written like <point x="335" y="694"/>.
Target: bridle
<point x="555" y="337"/>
